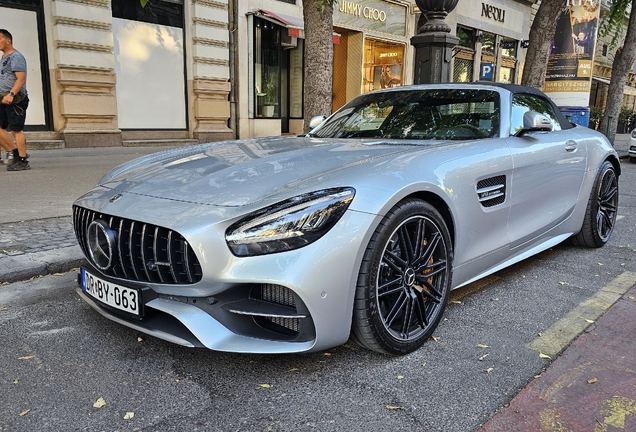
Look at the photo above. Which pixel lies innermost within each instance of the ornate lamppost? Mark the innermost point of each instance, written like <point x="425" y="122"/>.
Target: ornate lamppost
<point x="434" y="43"/>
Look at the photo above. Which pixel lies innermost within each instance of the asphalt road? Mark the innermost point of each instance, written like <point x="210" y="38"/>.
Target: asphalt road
<point x="59" y="357"/>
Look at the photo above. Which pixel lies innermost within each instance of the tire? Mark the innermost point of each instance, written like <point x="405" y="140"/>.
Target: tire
<point x="600" y="215"/>
<point x="404" y="280"/>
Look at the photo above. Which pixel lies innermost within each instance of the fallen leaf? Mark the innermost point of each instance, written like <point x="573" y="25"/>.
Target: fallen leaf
<point x="489" y="370"/>
<point x="140" y="339"/>
<point x="600" y="264"/>
<point x="589" y="321"/>
<point x="58" y="274"/>
<point x="630" y="297"/>
<point x="129" y="415"/>
<point x="394" y="408"/>
<point x="592" y="381"/>
<point x="455" y="302"/>
<point x="482" y="346"/>
<point x="544" y="356"/>
<point x="99" y="403"/>
<point x="435" y="338"/>
<point x="265" y="385"/>
<point x="483" y="357"/>
<point x="293" y="370"/>
<point x="400" y="377"/>
<point x="16" y="381"/>
<point x="327" y="354"/>
<point x="4" y="308"/>
<point x="23" y="413"/>
<point x="26" y="357"/>
<point x="561" y="283"/>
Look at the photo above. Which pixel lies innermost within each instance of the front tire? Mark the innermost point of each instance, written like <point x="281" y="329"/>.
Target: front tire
<point x="404" y="280"/>
<point x="602" y="207"/>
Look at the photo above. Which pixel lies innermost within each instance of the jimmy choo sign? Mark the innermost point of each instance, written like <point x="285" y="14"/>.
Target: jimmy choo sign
<point x="492" y="12"/>
<point x="367" y="12"/>
<point x="376" y="15"/>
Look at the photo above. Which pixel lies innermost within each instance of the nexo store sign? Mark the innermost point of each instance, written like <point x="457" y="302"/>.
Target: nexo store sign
<point x="367" y="12"/>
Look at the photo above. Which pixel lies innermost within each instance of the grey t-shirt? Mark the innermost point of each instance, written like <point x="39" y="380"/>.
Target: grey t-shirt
<point x="12" y="63"/>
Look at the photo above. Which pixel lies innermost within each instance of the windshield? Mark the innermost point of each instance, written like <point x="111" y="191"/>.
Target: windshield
<point x="439" y="114"/>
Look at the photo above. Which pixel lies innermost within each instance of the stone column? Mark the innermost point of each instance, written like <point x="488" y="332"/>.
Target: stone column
<point x="210" y="76"/>
<point x="83" y="90"/>
<point x="434" y="43"/>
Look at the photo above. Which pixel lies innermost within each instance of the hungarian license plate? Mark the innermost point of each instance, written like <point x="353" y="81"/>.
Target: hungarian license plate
<point x="116" y="296"/>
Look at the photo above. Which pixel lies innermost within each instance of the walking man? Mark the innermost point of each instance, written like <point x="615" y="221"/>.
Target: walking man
<point x="14" y="102"/>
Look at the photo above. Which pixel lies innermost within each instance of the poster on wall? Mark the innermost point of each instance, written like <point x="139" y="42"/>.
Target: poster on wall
<point x="570" y="62"/>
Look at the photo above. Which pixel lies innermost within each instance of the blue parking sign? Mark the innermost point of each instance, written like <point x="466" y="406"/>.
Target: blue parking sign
<point x="486" y="71"/>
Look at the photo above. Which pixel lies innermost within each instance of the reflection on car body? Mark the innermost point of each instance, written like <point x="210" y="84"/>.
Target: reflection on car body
<point x="359" y="229"/>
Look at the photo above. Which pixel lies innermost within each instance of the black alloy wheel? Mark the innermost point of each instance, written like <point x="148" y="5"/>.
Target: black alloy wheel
<point x="601" y="211"/>
<point x="607" y="204"/>
<point x="404" y="280"/>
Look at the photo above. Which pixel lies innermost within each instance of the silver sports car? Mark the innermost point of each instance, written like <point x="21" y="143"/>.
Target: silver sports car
<point x="358" y="230"/>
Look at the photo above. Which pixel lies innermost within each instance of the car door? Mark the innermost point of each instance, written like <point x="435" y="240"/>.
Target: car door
<point x="548" y="171"/>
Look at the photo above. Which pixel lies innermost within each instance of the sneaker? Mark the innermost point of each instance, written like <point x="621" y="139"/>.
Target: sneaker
<point x="19" y="165"/>
<point x="10" y="157"/>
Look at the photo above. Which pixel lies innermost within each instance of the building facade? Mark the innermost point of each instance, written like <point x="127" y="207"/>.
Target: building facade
<point x="107" y="73"/>
<point x="112" y="73"/>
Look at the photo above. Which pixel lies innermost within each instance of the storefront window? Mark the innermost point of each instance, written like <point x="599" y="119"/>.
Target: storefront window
<point x="168" y="13"/>
<point x="466" y="37"/>
<point x="508" y="60"/>
<point x="267" y="68"/>
<point x="488" y="57"/>
<point x="382" y="65"/>
<point x="463" y="55"/>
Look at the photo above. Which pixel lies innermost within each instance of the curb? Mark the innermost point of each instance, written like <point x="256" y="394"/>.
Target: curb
<point x="24" y="267"/>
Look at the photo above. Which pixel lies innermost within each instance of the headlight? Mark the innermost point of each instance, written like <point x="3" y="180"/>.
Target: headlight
<point x="290" y="224"/>
<point x="634" y="134"/>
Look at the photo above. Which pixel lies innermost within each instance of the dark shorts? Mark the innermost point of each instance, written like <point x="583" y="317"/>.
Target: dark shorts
<point x="12" y="116"/>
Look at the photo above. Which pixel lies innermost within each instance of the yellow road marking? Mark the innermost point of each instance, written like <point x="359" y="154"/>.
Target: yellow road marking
<point x="616" y="409"/>
<point x="556" y="338"/>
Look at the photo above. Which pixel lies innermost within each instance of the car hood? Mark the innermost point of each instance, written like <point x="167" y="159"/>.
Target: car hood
<point x="238" y="173"/>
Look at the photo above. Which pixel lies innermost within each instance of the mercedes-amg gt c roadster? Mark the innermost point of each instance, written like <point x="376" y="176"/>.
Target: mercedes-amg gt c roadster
<point x="358" y="229"/>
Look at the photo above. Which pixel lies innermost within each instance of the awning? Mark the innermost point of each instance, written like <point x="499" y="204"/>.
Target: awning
<point x="628" y="90"/>
<point x="295" y="26"/>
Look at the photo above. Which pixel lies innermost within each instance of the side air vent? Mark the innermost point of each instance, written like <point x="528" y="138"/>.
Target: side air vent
<point x="492" y="191"/>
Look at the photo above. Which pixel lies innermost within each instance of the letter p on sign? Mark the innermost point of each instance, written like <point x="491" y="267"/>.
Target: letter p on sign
<point x="486" y="71"/>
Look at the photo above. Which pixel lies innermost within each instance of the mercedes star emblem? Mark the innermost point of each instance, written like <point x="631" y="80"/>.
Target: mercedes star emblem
<point x="101" y="244"/>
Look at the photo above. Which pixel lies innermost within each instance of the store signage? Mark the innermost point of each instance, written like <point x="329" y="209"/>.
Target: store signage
<point x="593" y="3"/>
<point x="492" y="12"/>
<point x="509" y="44"/>
<point x="356" y="9"/>
<point x="391" y="54"/>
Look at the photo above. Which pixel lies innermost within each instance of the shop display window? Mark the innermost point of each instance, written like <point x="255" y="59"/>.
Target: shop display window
<point x="267" y="68"/>
<point x="163" y="12"/>
<point x="383" y="63"/>
<point x="278" y="72"/>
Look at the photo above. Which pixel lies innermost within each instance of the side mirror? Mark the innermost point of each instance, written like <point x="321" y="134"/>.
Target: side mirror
<point x="316" y="121"/>
<point x="534" y="122"/>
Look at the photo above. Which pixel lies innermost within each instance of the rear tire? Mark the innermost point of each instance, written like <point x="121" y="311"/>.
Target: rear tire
<point x="602" y="207"/>
<point x="404" y="280"/>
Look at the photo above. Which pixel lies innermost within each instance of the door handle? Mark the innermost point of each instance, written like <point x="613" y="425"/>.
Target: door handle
<point x="571" y="145"/>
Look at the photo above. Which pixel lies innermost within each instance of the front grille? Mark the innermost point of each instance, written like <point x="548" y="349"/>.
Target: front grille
<point x="143" y="252"/>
